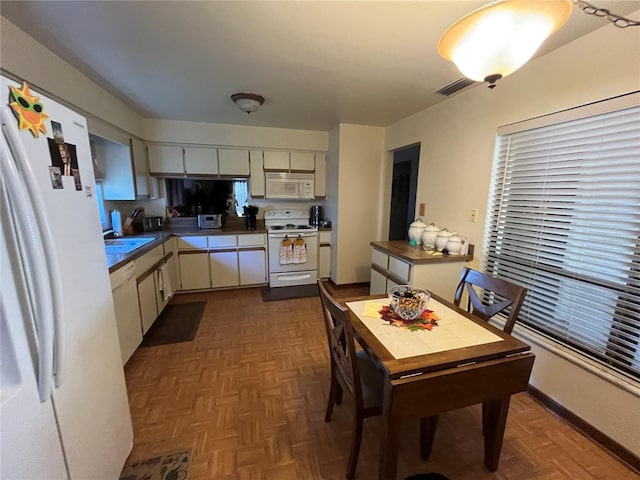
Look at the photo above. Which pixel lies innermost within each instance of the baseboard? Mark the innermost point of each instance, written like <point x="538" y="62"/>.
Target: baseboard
<point x="589" y="431"/>
<point x="345" y="286"/>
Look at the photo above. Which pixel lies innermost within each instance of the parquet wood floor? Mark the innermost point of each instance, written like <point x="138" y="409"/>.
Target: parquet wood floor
<point x="248" y="395"/>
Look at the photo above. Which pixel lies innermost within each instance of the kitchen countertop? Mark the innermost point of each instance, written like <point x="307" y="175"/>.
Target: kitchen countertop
<point x="417" y="255"/>
<point x="115" y="261"/>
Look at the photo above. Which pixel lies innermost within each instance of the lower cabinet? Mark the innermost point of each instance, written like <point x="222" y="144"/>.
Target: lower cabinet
<point x="147" y="301"/>
<point x="222" y="261"/>
<point x="324" y="254"/>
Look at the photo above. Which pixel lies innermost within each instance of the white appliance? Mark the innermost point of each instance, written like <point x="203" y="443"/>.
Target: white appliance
<point x="290" y="186"/>
<point x="64" y="411"/>
<point x="291" y="225"/>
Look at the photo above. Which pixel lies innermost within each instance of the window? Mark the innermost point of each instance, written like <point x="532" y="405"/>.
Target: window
<point x="564" y="221"/>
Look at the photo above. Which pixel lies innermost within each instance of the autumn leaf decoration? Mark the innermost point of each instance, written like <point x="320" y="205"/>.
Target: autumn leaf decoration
<point x="426" y="321"/>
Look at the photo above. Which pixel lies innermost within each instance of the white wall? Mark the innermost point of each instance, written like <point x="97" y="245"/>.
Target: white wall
<point x="234" y="135"/>
<point x="331" y="203"/>
<point x="457" y="142"/>
<point x="23" y="57"/>
<point x="361" y="150"/>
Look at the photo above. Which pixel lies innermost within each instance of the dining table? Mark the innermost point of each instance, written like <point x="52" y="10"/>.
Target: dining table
<point x="460" y="361"/>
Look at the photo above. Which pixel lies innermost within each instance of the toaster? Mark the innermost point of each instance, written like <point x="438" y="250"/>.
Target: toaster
<point x="149" y="224"/>
<point x="210" y="220"/>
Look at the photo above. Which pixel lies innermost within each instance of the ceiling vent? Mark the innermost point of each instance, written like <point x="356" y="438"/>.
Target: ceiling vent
<point x="455" y="86"/>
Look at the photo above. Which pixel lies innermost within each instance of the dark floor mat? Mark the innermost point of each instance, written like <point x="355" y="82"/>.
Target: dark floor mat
<point x="173" y="465"/>
<point x="288" y="293"/>
<point x="177" y="323"/>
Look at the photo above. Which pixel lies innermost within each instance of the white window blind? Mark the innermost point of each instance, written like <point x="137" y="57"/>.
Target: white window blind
<point x="564" y="221"/>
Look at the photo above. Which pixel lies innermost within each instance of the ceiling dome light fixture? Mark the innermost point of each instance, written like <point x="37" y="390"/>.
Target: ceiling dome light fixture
<point x="497" y="39"/>
<point x="247" y="102"/>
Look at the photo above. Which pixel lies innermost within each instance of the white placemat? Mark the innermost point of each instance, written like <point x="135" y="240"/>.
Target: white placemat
<point x="453" y="331"/>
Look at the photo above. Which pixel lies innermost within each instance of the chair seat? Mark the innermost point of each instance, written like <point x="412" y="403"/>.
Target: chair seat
<point x="372" y="380"/>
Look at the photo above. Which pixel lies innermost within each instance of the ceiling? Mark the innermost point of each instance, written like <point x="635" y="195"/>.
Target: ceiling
<point x="316" y="63"/>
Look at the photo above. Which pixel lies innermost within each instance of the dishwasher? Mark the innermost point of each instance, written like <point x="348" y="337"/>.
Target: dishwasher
<point x="125" y="302"/>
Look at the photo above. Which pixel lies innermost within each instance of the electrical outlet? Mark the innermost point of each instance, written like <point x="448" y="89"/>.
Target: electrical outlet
<point x="474" y="214"/>
<point x="422" y="205"/>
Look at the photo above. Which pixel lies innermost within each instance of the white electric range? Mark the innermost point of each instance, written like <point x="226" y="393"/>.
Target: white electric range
<point x="291" y="224"/>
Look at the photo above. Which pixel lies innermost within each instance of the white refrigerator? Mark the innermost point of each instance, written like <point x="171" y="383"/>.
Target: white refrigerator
<point x="64" y="408"/>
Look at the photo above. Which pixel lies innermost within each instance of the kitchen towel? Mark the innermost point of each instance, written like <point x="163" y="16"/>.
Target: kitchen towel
<point x="299" y="251"/>
<point x="164" y="284"/>
<point x="286" y="251"/>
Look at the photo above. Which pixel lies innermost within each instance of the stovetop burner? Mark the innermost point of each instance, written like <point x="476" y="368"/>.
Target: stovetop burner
<point x="291" y="226"/>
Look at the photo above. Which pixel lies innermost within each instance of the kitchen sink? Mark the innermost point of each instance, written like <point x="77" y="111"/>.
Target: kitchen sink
<point x="124" y="245"/>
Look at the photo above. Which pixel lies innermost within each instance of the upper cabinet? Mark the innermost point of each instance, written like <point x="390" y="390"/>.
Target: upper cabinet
<point x="234" y="162"/>
<point x="278" y="161"/>
<point x="321" y="175"/>
<point x="146" y="185"/>
<point x="166" y="160"/>
<point x="302" y="162"/>
<point x="201" y="161"/>
<point x="256" y="180"/>
<point x="114" y="160"/>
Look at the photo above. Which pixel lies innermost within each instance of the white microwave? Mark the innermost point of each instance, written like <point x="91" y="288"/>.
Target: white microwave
<point x="290" y="186"/>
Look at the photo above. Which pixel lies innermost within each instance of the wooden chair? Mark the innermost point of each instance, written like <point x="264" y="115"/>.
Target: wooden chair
<point x="512" y="294"/>
<point x="352" y="373"/>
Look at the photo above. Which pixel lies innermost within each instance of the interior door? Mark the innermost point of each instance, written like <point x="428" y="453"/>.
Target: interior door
<point x="403" y="191"/>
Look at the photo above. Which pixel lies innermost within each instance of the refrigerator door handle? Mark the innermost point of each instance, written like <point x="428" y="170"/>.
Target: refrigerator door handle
<point x="33" y="257"/>
<point x="51" y="257"/>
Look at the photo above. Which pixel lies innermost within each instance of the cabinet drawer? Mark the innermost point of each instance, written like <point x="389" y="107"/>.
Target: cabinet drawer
<point x="252" y="240"/>
<point x="148" y="260"/>
<point x="218" y="241"/>
<point x="196" y="242"/>
<point x="379" y="258"/>
<point x="399" y="268"/>
<point x="324" y="237"/>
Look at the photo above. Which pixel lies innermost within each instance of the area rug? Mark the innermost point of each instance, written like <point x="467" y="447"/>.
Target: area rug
<point x="169" y="466"/>
<point x="177" y="323"/>
<point x="289" y="293"/>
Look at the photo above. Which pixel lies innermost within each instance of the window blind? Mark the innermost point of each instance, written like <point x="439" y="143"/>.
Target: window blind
<point x="564" y="221"/>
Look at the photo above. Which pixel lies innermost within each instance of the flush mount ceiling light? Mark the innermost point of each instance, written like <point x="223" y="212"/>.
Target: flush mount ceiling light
<point x="497" y="39"/>
<point x="247" y="102"/>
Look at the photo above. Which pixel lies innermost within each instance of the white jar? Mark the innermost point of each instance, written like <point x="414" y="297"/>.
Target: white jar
<point x="415" y="231"/>
<point x="454" y="245"/>
<point x="429" y="236"/>
<point x="443" y="238"/>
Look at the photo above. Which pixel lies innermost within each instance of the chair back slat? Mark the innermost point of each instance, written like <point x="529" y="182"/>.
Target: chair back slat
<point x="504" y="295"/>
<point x="341" y="344"/>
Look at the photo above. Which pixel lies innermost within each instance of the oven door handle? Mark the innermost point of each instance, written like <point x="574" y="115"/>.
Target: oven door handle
<point x="293" y="235"/>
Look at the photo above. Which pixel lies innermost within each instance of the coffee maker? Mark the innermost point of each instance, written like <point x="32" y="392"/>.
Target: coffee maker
<point x="316" y="215"/>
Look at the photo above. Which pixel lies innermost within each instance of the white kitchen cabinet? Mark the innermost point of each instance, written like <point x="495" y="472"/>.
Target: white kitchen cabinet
<point x="125" y="303"/>
<point x="234" y="162"/>
<point x="222" y="241"/>
<point x="324" y="254"/>
<point x="147" y="301"/>
<point x="320" y="175"/>
<point x="116" y="163"/>
<point x="146" y="185"/>
<point x="276" y="161"/>
<point x="166" y="160"/>
<point x="224" y="268"/>
<point x="302" y="162"/>
<point x="256" y="179"/>
<point x="201" y="161"/>
<point x="192" y="242"/>
<point x="378" y="284"/>
<point x="171" y="246"/>
<point x="253" y="266"/>
<point x="194" y="270"/>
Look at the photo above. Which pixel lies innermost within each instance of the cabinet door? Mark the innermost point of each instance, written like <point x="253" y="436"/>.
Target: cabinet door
<point x="165" y="159"/>
<point x="253" y="266"/>
<point x="278" y="161"/>
<point x="160" y="301"/>
<point x="119" y="181"/>
<point x="174" y="278"/>
<point x="256" y="180"/>
<point x="146" y="185"/>
<point x="324" y="261"/>
<point x="194" y="270"/>
<point x="378" y="283"/>
<point x="147" y="300"/>
<point x="224" y="268"/>
<point x="321" y="175"/>
<point x="302" y="162"/>
<point x="233" y="162"/>
<point x="201" y="161"/>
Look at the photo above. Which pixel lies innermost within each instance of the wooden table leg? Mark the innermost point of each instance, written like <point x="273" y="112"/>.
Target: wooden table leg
<point x="494" y="422"/>
<point x="389" y="437"/>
